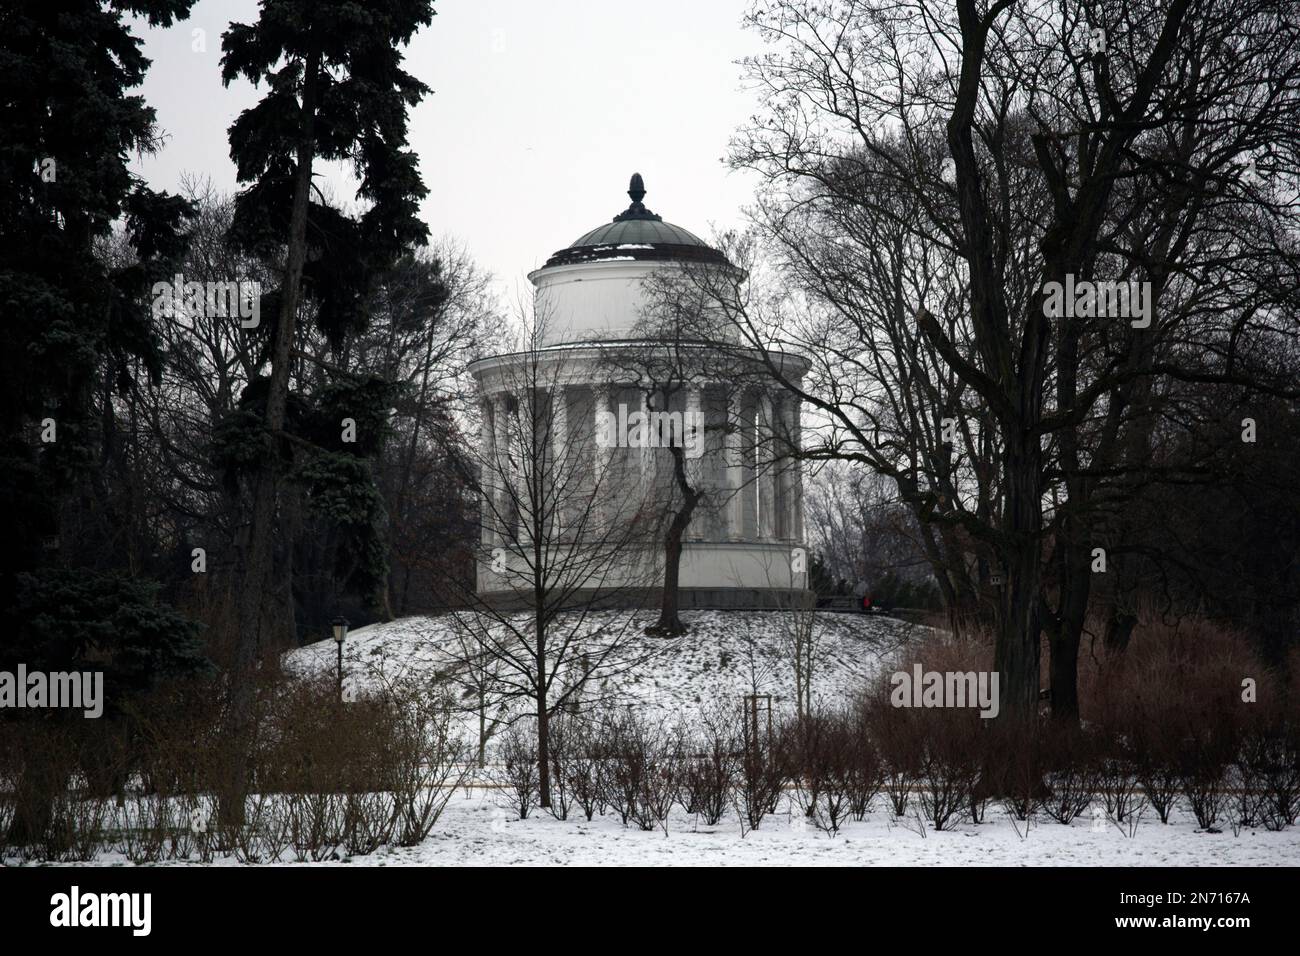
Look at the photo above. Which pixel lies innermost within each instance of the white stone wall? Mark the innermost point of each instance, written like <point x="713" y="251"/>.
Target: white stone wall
<point x="591" y="300"/>
<point x="749" y="534"/>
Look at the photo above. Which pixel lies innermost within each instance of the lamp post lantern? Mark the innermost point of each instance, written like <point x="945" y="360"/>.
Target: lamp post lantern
<point x="340" y="625"/>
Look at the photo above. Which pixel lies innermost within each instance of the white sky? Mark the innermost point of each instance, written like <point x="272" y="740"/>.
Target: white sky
<point x="541" y="111"/>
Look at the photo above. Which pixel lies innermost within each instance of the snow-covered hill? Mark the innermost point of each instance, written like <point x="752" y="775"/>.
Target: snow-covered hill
<point x="724" y="655"/>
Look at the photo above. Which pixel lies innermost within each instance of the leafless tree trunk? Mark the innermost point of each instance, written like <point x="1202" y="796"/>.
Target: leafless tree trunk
<point x="560" y="534"/>
<point x="260" y="539"/>
<point x="668" y="362"/>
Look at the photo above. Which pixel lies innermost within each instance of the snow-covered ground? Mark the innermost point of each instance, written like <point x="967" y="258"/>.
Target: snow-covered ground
<point x="723" y="656"/>
<point x="474" y="830"/>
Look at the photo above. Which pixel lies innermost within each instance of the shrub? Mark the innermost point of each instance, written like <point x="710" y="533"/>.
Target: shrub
<point x="764" y="773"/>
<point x="582" y="769"/>
<point x="896" y="739"/>
<point x="851" y="775"/>
<point x="661" y="780"/>
<point x="431" y="760"/>
<point x="625" y="763"/>
<point x="866" y="771"/>
<point x="1277" y="768"/>
<point x="518" y="775"/>
<point x="642" y="768"/>
<point x="1016" y="764"/>
<point x="315" y="824"/>
<point x="1205" y="756"/>
<point x="326" y="777"/>
<point x="825" y="767"/>
<point x="1169" y="703"/>
<point x="1073" y="762"/>
<point x="710" y="767"/>
<point x="1117" y="782"/>
<point x="560" y="741"/>
<point x="1157" y="769"/>
<point x="950" y="762"/>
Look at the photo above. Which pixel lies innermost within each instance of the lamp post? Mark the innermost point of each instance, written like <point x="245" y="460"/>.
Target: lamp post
<point x="340" y="625"/>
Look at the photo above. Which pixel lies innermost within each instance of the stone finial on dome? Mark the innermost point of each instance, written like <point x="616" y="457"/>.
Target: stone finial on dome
<point x="636" y="192"/>
<point x="636" y="188"/>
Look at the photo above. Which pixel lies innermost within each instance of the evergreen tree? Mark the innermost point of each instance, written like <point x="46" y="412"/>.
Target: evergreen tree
<point x="77" y="329"/>
<point x="335" y="91"/>
<point x="71" y="324"/>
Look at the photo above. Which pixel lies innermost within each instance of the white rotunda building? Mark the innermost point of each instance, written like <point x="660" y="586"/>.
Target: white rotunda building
<point x="593" y="435"/>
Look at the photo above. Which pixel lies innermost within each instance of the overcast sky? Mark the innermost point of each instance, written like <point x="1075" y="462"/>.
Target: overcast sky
<point x="541" y="111"/>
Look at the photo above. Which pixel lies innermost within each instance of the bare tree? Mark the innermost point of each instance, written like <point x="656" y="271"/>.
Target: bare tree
<point x="801" y="637"/>
<point x="864" y="535"/>
<point x="562" y="536"/>
<point x="708" y="429"/>
<point x="478" y="676"/>
<point x="433" y="315"/>
<point x="932" y="172"/>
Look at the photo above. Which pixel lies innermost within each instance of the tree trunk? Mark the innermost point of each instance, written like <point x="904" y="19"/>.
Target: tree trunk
<point x="543" y="753"/>
<point x="670" y="622"/>
<point x="1119" y="628"/>
<point x="261" y="529"/>
<point x="1064" y="670"/>
<point x="482" y="728"/>
<point x="1016" y="652"/>
<point x="1075" y="587"/>
<point x="543" y="724"/>
<point x="42" y="779"/>
<point x="1017" y="377"/>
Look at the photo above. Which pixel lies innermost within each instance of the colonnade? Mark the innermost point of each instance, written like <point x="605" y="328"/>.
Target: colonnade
<point x="756" y="489"/>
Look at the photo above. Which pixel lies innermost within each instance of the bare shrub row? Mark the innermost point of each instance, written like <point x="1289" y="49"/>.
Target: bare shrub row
<point x="638" y="769"/>
<point x="1175" y="734"/>
<point x="327" y="779"/>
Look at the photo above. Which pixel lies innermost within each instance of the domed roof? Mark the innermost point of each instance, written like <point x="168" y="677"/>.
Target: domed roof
<point x="637" y="233"/>
<point x="638" y="230"/>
